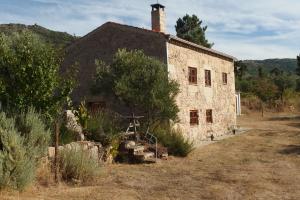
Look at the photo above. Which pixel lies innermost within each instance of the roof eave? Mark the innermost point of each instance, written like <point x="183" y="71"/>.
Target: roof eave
<point x="205" y="49"/>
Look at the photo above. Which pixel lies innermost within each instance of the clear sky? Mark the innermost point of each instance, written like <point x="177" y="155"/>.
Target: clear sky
<point x="246" y="29"/>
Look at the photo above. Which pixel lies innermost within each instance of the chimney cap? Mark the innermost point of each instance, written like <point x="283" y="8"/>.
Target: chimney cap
<point x="157" y="6"/>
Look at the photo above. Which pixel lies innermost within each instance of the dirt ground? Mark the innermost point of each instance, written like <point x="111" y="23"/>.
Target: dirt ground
<point x="263" y="163"/>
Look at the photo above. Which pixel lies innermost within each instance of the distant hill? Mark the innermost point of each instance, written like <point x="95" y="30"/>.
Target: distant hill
<point x="286" y="65"/>
<point x="63" y="39"/>
<point x="58" y="39"/>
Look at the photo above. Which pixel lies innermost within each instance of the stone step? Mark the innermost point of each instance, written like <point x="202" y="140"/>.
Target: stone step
<point x="130" y="144"/>
<point x="145" y="155"/>
<point x="137" y="148"/>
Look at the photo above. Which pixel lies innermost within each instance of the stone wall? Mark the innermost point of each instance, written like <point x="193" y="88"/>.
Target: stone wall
<point x="219" y="97"/>
<point x="102" y="44"/>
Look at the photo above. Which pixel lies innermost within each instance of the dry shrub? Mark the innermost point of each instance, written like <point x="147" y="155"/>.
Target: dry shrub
<point x="44" y="174"/>
<point x="77" y="165"/>
<point x="174" y="140"/>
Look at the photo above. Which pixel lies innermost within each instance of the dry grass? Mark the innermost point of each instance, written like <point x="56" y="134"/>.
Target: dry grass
<point x="261" y="164"/>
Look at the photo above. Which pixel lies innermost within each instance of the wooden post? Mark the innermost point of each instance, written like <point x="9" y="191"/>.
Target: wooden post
<point x="56" y="151"/>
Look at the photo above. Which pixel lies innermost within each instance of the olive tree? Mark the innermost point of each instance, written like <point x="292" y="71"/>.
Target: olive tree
<point x="141" y="83"/>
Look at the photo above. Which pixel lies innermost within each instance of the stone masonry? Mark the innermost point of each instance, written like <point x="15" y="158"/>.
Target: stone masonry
<point x="178" y="55"/>
<point x="219" y="97"/>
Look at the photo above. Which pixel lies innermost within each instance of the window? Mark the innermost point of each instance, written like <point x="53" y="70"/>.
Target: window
<point x="224" y="78"/>
<point x="207" y="78"/>
<point x="192" y="75"/>
<point x="209" y="117"/>
<point x="194" y="117"/>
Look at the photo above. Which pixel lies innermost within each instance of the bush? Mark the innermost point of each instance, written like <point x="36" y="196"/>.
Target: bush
<point x="103" y="127"/>
<point x="66" y="136"/>
<point x="77" y="164"/>
<point x="23" y="141"/>
<point x="175" y="142"/>
<point x="29" y="74"/>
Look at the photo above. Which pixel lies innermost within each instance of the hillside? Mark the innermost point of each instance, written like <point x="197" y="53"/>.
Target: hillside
<point x="58" y="39"/>
<point x="62" y="39"/>
<point x="286" y="65"/>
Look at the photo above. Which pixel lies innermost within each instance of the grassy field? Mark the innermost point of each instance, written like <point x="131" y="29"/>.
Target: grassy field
<point x="263" y="163"/>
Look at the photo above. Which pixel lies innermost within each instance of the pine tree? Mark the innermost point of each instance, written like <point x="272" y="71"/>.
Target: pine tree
<point x="190" y="28"/>
<point x="298" y="65"/>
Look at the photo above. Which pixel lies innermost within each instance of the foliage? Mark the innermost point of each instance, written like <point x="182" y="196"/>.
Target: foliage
<point x="240" y="69"/>
<point x="29" y="74"/>
<point x="286" y="65"/>
<point x="141" y="83"/>
<point x="103" y="127"/>
<point x="245" y="85"/>
<point x="23" y="141"/>
<point x="66" y="135"/>
<point x="77" y="164"/>
<point x="266" y="90"/>
<point x="261" y="72"/>
<point x="189" y="28"/>
<point x="58" y="39"/>
<point x="298" y="85"/>
<point x="174" y="140"/>
<point x="82" y="115"/>
<point x="283" y="83"/>
<point x="270" y="80"/>
<point x="298" y="65"/>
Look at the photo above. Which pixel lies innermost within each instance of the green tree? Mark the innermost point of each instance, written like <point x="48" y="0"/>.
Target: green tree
<point x="298" y="65"/>
<point x="284" y="82"/>
<point x="261" y="72"/>
<point x="240" y="69"/>
<point x="29" y="73"/>
<point x="189" y="28"/>
<point x="266" y="91"/>
<point x="276" y="72"/>
<point x="141" y="83"/>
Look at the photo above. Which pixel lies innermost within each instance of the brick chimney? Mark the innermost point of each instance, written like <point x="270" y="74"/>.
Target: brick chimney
<point x="158" y="17"/>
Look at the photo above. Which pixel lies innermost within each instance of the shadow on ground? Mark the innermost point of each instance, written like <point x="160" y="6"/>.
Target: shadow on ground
<point x="284" y="118"/>
<point x="291" y="149"/>
<point x="296" y="125"/>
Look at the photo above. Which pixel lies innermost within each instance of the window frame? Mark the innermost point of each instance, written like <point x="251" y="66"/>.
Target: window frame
<point x="224" y="78"/>
<point x="194" y="119"/>
<point x="207" y="77"/>
<point x="209" y="116"/>
<point x="193" y="77"/>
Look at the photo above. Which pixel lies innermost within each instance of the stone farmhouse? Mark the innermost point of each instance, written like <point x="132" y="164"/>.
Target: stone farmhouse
<point x="207" y="99"/>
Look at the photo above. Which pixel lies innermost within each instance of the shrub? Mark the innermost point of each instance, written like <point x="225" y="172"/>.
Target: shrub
<point x="66" y="136"/>
<point x="82" y="114"/>
<point x="145" y="89"/>
<point x="29" y="74"/>
<point x="23" y="141"/>
<point x="77" y="164"/>
<point x="103" y="127"/>
<point x="174" y="140"/>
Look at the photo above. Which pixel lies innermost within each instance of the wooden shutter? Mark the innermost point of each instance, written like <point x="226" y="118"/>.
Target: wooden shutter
<point x="192" y="75"/>
<point x="194" y="117"/>
<point x="207" y="78"/>
<point x="209" y="117"/>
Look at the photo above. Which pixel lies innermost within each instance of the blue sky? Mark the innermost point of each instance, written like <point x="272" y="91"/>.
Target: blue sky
<point x="256" y="29"/>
